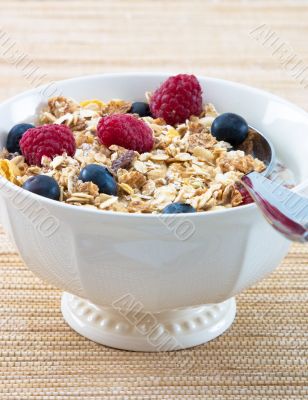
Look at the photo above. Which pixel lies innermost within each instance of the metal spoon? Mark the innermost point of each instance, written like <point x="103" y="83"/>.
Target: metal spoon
<point x="283" y="208"/>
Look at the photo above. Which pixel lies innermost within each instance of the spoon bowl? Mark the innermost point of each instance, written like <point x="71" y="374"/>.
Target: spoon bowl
<point x="259" y="147"/>
<point x="284" y="209"/>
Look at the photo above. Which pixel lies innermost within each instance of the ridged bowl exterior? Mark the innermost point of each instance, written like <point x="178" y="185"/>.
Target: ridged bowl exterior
<point x="103" y="256"/>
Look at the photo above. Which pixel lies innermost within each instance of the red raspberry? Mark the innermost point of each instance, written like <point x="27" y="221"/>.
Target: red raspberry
<point x="246" y="198"/>
<point x="47" y="140"/>
<point x="127" y="131"/>
<point x="177" y="99"/>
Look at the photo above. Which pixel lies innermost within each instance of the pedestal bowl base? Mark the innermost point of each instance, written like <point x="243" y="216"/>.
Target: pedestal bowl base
<point x="137" y="330"/>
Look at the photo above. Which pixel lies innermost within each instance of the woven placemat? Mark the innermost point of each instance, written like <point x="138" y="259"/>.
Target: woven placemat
<point x="262" y="356"/>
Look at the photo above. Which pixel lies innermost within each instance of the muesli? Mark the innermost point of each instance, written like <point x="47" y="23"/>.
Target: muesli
<point x="168" y="154"/>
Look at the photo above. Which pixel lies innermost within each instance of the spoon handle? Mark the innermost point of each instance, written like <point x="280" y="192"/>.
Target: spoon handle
<point x="284" y="209"/>
<point x="302" y="189"/>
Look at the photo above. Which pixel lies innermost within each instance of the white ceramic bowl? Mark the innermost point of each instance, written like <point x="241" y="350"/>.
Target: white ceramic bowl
<point x="194" y="260"/>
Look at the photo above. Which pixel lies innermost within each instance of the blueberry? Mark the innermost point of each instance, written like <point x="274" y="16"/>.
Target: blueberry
<point x="43" y="185"/>
<point x="178" y="208"/>
<point x="231" y="128"/>
<point x="101" y="177"/>
<point x="14" y="136"/>
<point x="140" y="108"/>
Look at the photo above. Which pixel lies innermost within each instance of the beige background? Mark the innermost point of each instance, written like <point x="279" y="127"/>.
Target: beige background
<point x="263" y="356"/>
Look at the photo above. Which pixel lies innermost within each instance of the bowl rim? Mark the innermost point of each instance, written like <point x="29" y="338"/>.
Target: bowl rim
<point x="118" y="214"/>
